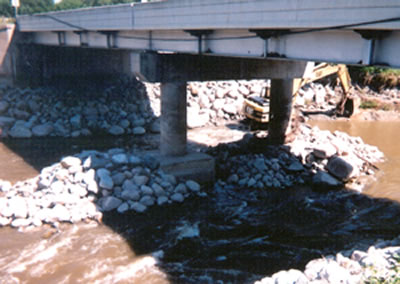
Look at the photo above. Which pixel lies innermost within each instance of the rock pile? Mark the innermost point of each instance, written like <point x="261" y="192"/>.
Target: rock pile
<point x="214" y="102"/>
<point x="335" y="157"/>
<point x="379" y="263"/>
<point x="120" y="109"/>
<point x="318" y="157"/>
<point x="83" y="186"/>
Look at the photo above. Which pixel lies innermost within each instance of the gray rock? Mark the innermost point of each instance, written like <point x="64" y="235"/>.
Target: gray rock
<point x="130" y="194"/>
<point x="158" y="190"/>
<point x="161" y="200"/>
<point x="123" y="208"/>
<point x="147" y="200"/>
<point x="129" y="185"/>
<point x="120" y="159"/>
<point x="325" y="179"/>
<point x="6" y="221"/>
<point x="180" y="188"/>
<point x="105" y="179"/>
<point x="193" y="186"/>
<point x="42" y="130"/>
<point x="339" y="168"/>
<point x="6" y="121"/>
<point x="61" y="213"/>
<point x="3" y="106"/>
<point x="138" y="207"/>
<point x="177" y="197"/>
<point x="230" y="108"/>
<point x="146" y="190"/>
<point x="95" y="162"/>
<point x="118" y="178"/>
<point x="139" y="130"/>
<point x="135" y="161"/>
<point x="291" y="276"/>
<point x="17" y="223"/>
<point x="18" y="207"/>
<point x="76" y="121"/>
<point x="196" y="120"/>
<point x="140" y="180"/>
<point x="116" y="130"/>
<point x="233" y="179"/>
<point x="324" y="151"/>
<point x="34" y="106"/>
<point x="21" y="114"/>
<point x="259" y="164"/>
<point x="70" y="161"/>
<point x="19" y="131"/>
<point x="109" y="203"/>
<point x="155" y="127"/>
<point x="295" y="167"/>
<point x="5" y="186"/>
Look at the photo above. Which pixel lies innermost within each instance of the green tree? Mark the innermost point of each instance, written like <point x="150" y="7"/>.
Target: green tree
<point x="73" y="4"/>
<point x="35" y="6"/>
<point x="5" y="8"/>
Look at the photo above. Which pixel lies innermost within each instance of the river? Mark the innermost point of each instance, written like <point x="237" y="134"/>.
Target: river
<point x="229" y="237"/>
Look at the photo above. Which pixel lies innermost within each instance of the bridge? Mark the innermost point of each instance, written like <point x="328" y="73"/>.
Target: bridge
<point x="176" y="41"/>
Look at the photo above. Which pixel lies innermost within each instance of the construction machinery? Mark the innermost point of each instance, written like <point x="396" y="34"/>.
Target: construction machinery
<point x="256" y="108"/>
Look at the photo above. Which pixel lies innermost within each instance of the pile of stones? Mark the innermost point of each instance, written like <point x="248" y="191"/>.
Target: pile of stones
<point x="213" y="102"/>
<point x="122" y="108"/>
<point x="378" y="264"/>
<point x="87" y="185"/>
<point x="318" y="157"/>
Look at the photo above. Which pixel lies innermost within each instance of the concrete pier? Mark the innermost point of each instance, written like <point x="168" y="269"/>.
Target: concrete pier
<point x="280" y="110"/>
<point x="173" y="118"/>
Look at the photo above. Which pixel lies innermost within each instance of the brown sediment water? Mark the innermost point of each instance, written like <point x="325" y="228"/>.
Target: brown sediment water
<point x="386" y="136"/>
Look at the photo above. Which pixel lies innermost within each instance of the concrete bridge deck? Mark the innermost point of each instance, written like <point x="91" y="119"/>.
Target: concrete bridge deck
<point x="352" y="32"/>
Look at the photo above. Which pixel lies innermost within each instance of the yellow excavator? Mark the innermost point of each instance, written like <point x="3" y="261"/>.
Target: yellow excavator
<point x="256" y="108"/>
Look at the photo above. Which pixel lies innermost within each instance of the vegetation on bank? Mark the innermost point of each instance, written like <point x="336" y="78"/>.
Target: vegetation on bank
<point x="39" y="6"/>
<point x="377" y="78"/>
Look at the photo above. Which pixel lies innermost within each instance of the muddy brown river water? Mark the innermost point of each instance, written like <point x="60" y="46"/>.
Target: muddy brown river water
<point x="228" y="237"/>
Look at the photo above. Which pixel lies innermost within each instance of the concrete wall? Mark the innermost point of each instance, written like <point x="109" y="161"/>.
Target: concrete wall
<point x="6" y="52"/>
<point x="42" y="65"/>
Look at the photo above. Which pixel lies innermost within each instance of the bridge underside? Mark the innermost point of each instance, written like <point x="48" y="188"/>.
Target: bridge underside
<point x="365" y="47"/>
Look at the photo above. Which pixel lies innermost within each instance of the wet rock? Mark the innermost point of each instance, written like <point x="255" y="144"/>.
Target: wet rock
<point x="20" y="132"/>
<point x="139" y="130"/>
<point x="105" y="179"/>
<point x="161" y="200"/>
<point x="124" y="207"/>
<point x="339" y="168"/>
<point x="138" y="207"/>
<point x="17" y="223"/>
<point x="120" y="159"/>
<point x="325" y="179"/>
<point x="130" y="194"/>
<point x="109" y="203"/>
<point x="177" y="197"/>
<point x="193" y="186"/>
<point x="140" y="180"/>
<point x="6" y="121"/>
<point x="3" y="106"/>
<point x="147" y="200"/>
<point x="116" y="130"/>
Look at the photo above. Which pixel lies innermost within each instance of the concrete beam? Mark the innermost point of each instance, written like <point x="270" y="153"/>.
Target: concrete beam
<point x="151" y="67"/>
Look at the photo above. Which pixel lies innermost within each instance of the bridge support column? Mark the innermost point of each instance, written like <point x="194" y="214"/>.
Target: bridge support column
<point x="280" y="109"/>
<point x="173" y="118"/>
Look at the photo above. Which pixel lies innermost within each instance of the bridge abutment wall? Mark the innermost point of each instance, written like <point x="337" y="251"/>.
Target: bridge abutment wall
<point x="47" y="65"/>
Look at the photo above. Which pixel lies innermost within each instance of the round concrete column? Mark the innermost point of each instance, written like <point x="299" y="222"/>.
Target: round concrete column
<point x="173" y="119"/>
<point x="280" y="109"/>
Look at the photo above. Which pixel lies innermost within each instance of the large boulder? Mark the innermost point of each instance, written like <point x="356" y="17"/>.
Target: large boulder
<point x="339" y="168"/>
<point x="42" y="130"/>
